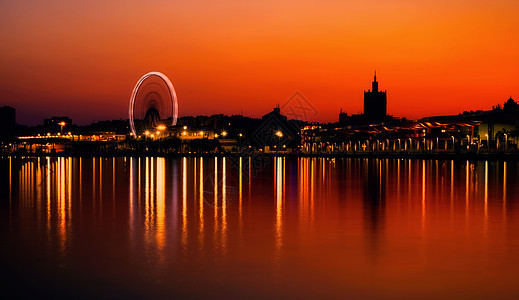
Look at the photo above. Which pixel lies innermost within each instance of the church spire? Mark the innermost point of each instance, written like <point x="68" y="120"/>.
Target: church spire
<point x="375" y="83"/>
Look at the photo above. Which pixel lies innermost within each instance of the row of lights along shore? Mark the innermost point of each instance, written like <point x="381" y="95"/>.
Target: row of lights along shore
<point x="147" y="133"/>
<point x="201" y="133"/>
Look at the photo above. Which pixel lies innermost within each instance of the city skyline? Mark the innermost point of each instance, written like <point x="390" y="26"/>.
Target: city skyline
<point x="297" y="108"/>
<point x="236" y="58"/>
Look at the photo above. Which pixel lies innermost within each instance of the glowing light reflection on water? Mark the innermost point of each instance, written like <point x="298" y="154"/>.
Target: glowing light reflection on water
<point x="301" y="227"/>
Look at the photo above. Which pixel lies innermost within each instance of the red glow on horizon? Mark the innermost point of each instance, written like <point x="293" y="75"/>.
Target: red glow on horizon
<point x="433" y="58"/>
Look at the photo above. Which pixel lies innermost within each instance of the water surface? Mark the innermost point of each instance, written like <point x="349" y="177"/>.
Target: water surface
<point x="259" y="228"/>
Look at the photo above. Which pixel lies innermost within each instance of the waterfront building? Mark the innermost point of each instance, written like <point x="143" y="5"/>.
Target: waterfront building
<point x="276" y="132"/>
<point x="474" y="131"/>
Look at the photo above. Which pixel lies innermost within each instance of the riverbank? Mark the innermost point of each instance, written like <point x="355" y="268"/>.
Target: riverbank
<point x="497" y="156"/>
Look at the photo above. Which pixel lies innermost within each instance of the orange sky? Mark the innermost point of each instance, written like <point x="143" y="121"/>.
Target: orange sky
<point x="82" y="59"/>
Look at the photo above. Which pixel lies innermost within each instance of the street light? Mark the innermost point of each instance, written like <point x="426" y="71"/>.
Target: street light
<point x="279" y="134"/>
<point x="452" y="142"/>
<point x="184" y="133"/>
<point x="62" y="123"/>
<point x="160" y="128"/>
<point x="224" y="133"/>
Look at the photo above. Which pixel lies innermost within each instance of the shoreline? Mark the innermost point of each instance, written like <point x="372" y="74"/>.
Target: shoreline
<point x="486" y="156"/>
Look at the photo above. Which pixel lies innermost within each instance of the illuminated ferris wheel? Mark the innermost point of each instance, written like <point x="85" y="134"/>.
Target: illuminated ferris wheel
<point x="153" y="104"/>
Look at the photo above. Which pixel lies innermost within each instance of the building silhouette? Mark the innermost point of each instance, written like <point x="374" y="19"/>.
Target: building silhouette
<point x="7" y="122"/>
<point x="511" y="105"/>
<point x="375" y="103"/>
<point x="276" y="132"/>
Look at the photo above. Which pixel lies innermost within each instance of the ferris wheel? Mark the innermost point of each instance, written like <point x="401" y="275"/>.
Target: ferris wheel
<point x="153" y="104"/>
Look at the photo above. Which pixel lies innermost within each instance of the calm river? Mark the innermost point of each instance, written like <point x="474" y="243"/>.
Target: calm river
<point x="242" y="228"/>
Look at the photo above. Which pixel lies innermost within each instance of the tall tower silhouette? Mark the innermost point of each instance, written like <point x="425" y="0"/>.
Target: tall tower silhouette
<point x="375" y="102"/>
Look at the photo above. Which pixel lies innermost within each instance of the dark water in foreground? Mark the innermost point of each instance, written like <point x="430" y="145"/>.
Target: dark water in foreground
<point x="244" y="228"/>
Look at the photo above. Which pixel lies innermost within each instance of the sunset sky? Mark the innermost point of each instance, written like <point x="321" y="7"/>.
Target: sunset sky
<point x="82" y="58"/>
